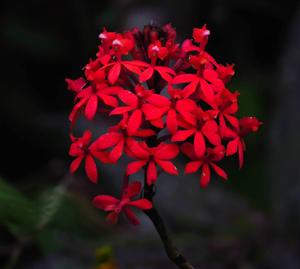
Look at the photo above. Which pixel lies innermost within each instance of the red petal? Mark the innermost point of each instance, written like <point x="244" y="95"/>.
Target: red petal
<point x="131" y="216"/>
<point x="134" y="122"/>
<point x="128" y="98"/>
<point x="109" y="100"/>
<point x="182" y="135"/>
<point x="143" y="204"/>
<point x="207" y="91"/>
<point x="91" y="169"/>
<point x="134" y="167"/>
<point x="132" y="68"/>
<point x="91" y="107"/>
<point x="158" y="100"/>
<point x="165" y="72"/>
<point x="232" y="147"/>
<point x="114" y="73"/>
<point x="151" y="173"/>
<point x="112" y="218"/>
<point x="147" y="74"/>
<point x="188" y="150"/>
<point x="117" y="151"/>
<point x="166" y="152"/>
<point x="205" y="176"/>
<point x="199" y="144"/>
<point x="75" y="164"/>
<point x="121" y="110"/>
<point x="241" y="153"/>
<point x="219" y="171"/>
<point x="192" y="167"/>
<point x="133" y="189"/>
<point x="168" y="167"/>
<point x="105" y="202"/>
<point x="184" y="78"/>
<point x="138" y="151"/>
<point x="190" y="88"/>
<point x="108" y="140"/>
<point x="172" y="121"/>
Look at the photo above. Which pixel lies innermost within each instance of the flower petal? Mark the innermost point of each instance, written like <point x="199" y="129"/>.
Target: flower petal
<point x="172" y="121"/>
<point x="147" y="74"/>
<point x="192" y="167"/>
<point x="131" y="216"/>
<point x="182" y="135"/>
<point x="143" y="204"/>
<point x="108" y="140"/>
<point x="151" y="173"/>
<point x="114" y="73"/>
<point x="219" y="171"/>
<point x="205" y="176"/>
<point x="75" y="164"/>
<point x="199" y="144"/>
<point x="134" y="122"/>
<point x="134" y="167"/>
<point x="91" y="169"/>
<point x="168" y="167"/>
<point x="91" y="107"/>
<point x="105" y="202"/>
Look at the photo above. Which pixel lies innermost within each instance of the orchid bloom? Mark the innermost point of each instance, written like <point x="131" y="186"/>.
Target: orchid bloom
<point x="116" y="206"/>
<point x="82" y="149"/>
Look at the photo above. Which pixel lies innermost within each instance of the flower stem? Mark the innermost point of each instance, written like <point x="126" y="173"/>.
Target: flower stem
<point x="171" y="250"/>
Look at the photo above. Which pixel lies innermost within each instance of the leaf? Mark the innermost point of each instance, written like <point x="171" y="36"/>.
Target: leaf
<point x="17" y="212"/>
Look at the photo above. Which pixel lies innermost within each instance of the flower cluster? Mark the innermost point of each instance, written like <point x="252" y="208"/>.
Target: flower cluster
<point x="168" y="98"/>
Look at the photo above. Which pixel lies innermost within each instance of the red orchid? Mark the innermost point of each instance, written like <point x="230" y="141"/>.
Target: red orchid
<point x="152" y="156"/>
<point x="201" y="81"/>
<point x="82" y="148"/>
<point x="116" y="206"/>
<point x="134" y="104"/>
<point x="206" y="162"/>
<point x="224" y="105"/>
<point x="237" y="144"/>
<point x="202" y="127"/>
<point x="178" y="104"/>
<point x="119" y="138"/>
<point x="88" y="100"/>
<point x="200" y="36"/>
<point x="225" y="72"/>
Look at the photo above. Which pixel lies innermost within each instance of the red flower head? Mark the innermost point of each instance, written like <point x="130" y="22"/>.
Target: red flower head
<point x="162" y="98"/>
<point x="116" y="206"/>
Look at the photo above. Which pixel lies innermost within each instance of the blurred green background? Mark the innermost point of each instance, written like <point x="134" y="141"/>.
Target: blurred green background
<point x="46" y="218"/>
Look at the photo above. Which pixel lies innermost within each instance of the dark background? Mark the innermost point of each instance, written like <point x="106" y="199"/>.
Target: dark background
<point x="46" y="220"/>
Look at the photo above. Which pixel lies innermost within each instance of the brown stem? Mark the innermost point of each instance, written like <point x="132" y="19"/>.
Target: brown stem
<point x="171" y="250"/>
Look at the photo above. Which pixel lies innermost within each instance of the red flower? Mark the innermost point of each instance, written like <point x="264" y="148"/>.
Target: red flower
<point x="152" y="156"/>
<point x="159" y="105"/>
<point x="205" y="162"/>
<point x="202" y="126"/>
<point x="116" y="206"/>
<point x="88" y="100"/>
<point x="82" y="149"/>
<point x="225" y="72"/>
<point x="201" y="81"/>
<point x="237" y="144"/>
<point x="225" y="106"/>
<point x="200" y="36"/>
<point x="75" y="85"/>
<point x="134" y="104"/>
<point x="119" y="138"/>
<point x="157" y="51"/>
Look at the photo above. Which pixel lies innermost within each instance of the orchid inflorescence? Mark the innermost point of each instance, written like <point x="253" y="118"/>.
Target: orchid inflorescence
<point x="169" y="98"/>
